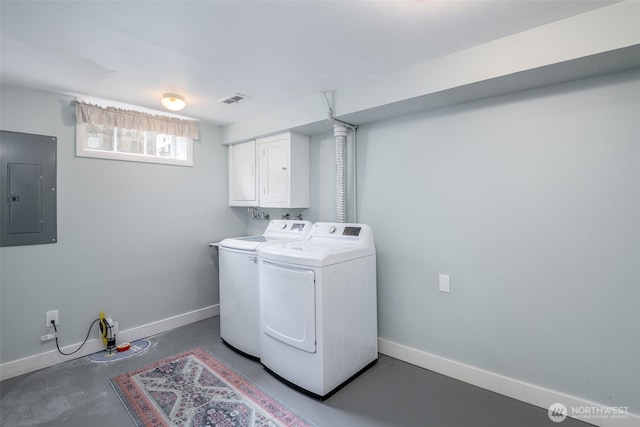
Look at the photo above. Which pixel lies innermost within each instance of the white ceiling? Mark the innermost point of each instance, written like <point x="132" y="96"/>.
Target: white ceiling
<point x="276" y="52"/>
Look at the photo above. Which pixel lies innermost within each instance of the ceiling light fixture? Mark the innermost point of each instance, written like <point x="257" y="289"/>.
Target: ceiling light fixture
<point x="173" y="102"/>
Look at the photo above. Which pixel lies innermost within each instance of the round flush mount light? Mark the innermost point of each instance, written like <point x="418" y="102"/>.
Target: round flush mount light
<point x="173" y="102"/>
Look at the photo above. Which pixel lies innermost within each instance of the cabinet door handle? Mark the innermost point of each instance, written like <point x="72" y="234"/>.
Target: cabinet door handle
<point x="284" y="168"/>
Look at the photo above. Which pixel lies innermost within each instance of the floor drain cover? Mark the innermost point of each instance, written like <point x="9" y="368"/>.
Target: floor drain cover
<point x="136" y="348"/>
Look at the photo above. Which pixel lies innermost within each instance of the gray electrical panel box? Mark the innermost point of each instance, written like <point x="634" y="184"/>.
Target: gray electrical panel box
<point x="28" y="190"/>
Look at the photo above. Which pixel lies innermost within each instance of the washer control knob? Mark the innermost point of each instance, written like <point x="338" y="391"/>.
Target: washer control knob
<point x="283" y="226"/>
<point x="332" y="229"/>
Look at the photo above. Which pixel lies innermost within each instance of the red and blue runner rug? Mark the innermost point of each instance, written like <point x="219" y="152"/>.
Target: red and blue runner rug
<point x="196" y="389"/>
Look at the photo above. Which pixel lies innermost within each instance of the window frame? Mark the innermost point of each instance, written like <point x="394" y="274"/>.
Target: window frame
<point x="83" y="151"/>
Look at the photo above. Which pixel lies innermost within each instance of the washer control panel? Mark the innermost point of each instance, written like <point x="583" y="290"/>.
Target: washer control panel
<point x="284" y="227"/>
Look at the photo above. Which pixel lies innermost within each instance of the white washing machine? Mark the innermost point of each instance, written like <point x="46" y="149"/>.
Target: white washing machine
<point x="319" y="307"/>
<point x="239" y="301"/>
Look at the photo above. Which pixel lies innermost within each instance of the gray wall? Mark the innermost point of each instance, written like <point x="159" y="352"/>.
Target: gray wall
<point x="132" y="237"/>
<point x="531" y="203"/>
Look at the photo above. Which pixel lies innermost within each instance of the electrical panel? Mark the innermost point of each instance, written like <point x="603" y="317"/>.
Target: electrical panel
<point x="28" y="189"/>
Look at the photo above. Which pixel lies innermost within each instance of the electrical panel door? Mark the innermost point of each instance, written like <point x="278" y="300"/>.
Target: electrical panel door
<point x="28" y="190"/>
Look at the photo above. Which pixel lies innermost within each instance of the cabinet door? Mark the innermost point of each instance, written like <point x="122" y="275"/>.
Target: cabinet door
<point x="274" y="173"/>
<point x="242" y="174"/>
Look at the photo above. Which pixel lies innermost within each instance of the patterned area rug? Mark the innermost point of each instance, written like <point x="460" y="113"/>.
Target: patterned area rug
<point x="196" y="389"/>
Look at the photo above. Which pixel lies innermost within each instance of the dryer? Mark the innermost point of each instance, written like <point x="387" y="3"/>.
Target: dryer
<point x="239" y="301"/>
<point x="319" y="307"/>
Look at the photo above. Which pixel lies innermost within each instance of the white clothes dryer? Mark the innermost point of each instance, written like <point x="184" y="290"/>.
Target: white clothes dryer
<point x="239" y="301"/>
<point x="319" y="307"/>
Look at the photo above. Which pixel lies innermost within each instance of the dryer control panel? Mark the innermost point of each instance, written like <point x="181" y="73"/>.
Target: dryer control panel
<point x="351" y="231"/>
<point x="360" y="234"/>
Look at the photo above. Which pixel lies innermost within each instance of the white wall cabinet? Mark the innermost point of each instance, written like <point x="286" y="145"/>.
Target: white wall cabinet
<point x="283" y="163"/>
<point x="271" y="172"/>
<point x="243" y="176"/>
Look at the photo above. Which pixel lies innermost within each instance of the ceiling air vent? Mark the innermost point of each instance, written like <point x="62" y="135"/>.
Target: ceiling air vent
<point x="232" y="99"/>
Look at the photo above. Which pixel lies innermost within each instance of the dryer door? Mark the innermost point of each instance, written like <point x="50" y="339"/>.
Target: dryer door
<point x="288" y="305"/>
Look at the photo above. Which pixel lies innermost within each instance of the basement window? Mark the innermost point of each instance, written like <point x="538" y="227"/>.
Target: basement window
<point x="111" y="133"/>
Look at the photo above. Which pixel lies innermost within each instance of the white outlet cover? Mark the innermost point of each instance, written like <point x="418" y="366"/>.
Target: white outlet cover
<point x="51" y="315"/>
<point x="443" y="283"/>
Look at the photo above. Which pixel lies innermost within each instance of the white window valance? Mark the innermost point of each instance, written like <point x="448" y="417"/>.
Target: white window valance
<point x="129" y="119"/>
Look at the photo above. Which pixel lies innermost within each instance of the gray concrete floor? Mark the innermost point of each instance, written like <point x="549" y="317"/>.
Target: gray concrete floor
<point x="390" y="394"/>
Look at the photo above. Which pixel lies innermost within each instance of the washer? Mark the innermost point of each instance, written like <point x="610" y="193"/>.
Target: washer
<point x="319" y="308"/>
<point x="239" y="301"/>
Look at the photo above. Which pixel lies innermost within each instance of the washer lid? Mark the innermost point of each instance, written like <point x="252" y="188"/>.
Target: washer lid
<point x="247" y="243"/>
<point x="277" y="231"/>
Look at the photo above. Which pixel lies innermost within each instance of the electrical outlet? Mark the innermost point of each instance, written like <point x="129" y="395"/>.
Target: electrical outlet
<point x="443" y="283"/>
<point x="52" y="315"/>
<point x="48" y="337"/>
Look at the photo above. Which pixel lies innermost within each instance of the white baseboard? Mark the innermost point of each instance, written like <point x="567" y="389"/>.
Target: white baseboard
<point x="52" y="357"/>
<point x="520" y="390"/>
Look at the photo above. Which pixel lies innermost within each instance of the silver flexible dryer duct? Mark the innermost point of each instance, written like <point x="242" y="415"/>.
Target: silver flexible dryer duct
<point x="340" y="135"/>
